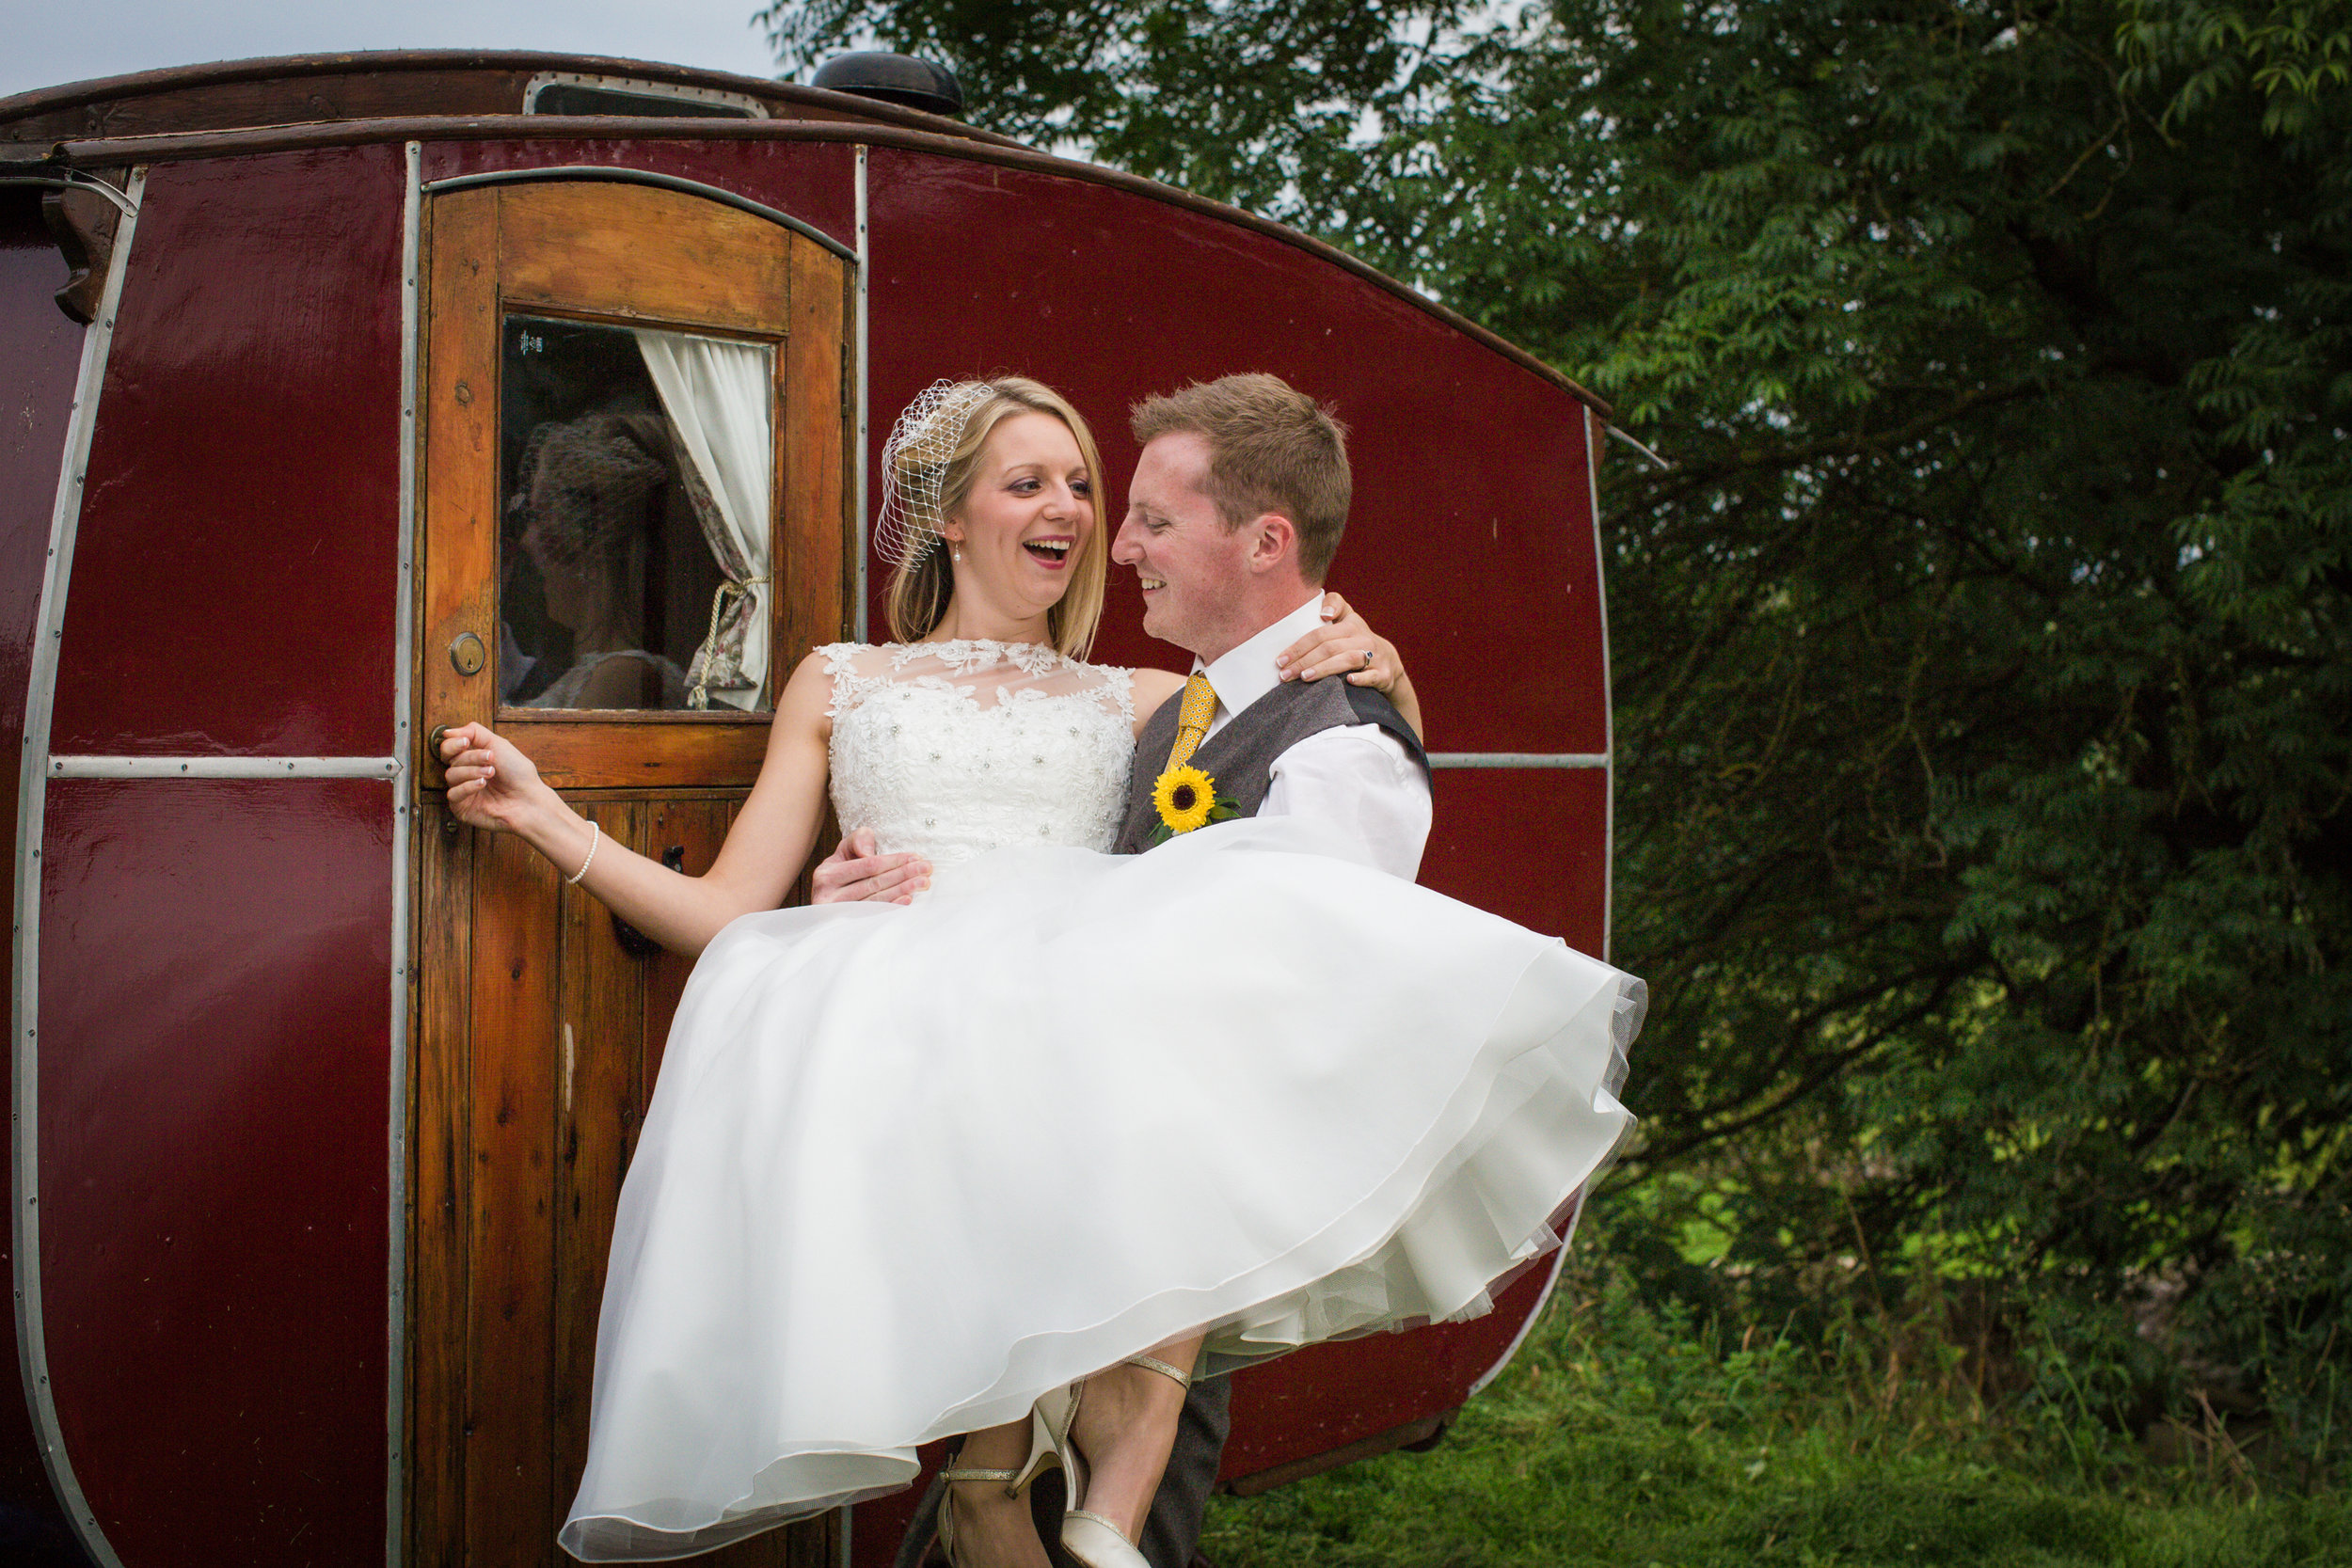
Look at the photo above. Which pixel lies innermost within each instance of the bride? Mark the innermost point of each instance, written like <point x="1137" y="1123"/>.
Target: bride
<point x="914" y="1170"/>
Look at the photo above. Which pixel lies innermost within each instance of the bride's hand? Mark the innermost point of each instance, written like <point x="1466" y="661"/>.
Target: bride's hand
<point x="1340" y="646"/>
<point x="1344" y="645"/>
<point x="855" y="871"/>
<point x="491" y="784"/>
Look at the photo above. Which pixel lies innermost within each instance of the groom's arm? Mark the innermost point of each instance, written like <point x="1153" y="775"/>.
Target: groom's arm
<point x="1357" y="779"/>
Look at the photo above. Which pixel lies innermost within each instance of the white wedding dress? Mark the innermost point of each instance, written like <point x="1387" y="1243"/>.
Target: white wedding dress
<point x="909" y="1166"/>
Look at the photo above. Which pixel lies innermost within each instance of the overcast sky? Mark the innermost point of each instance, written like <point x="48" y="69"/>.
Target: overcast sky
<point x="48" y="42"/>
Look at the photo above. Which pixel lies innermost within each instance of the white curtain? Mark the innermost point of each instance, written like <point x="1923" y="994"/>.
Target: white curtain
<point x="719" y="396"/>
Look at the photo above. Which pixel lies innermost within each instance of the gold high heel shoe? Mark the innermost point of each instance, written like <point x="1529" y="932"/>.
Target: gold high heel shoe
<point x="1090" y="1537"/>
<point x="1043" y="1453"/>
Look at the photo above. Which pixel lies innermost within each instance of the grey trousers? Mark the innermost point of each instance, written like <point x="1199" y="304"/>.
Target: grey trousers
<point x="1171" y="1536"/>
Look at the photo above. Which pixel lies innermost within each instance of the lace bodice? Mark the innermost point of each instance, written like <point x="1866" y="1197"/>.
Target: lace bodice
<point x="951" y="749"/>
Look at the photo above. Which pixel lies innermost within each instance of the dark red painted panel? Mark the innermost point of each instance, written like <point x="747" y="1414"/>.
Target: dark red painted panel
<point x="214" y="1033"/>
<point x="814" y="182"/>
<point x="42" y="352"/>
<point x="1531" y="845"/>
<point x="234" y="574"/>
<point x="1470" y="543"/>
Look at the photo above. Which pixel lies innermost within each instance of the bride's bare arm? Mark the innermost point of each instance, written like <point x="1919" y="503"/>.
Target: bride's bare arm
<point x="492" y="784"/>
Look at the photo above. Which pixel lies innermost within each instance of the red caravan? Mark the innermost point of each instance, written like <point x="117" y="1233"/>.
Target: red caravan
<point x="320" y="1103"/>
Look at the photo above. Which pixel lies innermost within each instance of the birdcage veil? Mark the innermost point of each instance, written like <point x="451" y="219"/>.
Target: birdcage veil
<point x="914" y="468"/>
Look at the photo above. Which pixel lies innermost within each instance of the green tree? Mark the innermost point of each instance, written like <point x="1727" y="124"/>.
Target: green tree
<point x="1984" y="661"/>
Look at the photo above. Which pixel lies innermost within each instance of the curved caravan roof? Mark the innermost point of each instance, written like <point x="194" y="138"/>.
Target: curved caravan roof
<point x="256" y="1192"/>
<point x="429" y="94"/>
<point x="229" y="95"/>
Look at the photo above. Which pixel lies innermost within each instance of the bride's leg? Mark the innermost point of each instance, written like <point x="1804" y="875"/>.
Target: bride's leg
<point x="1127" y="1426"/>
<point x="990" y="1529"/>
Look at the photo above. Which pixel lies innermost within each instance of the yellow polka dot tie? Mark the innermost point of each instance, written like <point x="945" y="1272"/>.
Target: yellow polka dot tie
<point x="1192" y="719"/>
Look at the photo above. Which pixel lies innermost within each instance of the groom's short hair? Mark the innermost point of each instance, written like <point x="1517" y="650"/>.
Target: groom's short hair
<point x="1271" y="449"/>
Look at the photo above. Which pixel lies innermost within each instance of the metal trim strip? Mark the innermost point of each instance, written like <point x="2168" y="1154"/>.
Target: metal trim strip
<point x="32" y="1345"/>
<point x="87" y="182"/>
<point x="848" y="1516"/>
<point x="404" y="813"/>
<point x="1593" y="449"/>
<point x="1527" y="1325"/>
<point x="223" y="768"/>
<point x="1663" y="465"/>
<point x="1518" y="759"/>
<point x="611" y="174"/>
<point x="864" y="253"/>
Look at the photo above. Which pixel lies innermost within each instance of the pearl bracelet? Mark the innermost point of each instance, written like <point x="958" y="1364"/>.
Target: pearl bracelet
<point x="595" y="836"/>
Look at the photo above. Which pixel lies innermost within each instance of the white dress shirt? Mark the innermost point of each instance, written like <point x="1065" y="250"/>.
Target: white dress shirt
<point x="1356" y="777"/>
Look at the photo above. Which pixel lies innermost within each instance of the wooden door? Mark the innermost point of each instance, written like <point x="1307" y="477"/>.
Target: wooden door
<point x="539" y="1021"/>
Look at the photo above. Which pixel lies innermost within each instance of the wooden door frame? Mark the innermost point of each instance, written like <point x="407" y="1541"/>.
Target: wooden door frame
<point x="804" y="311"/>
<point x="603" y="758"/>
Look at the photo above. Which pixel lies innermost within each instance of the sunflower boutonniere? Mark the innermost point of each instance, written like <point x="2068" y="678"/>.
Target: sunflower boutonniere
<point x="1186" y="799"/>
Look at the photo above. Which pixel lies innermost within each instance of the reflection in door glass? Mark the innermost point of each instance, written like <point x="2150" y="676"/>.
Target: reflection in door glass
<point x="634" y="542"/>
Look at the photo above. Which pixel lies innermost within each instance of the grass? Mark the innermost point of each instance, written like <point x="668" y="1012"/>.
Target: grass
<point x="1624" y="1435"/>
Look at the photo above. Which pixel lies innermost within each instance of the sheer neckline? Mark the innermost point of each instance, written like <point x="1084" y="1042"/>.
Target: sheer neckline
<point x="967" y="655"/>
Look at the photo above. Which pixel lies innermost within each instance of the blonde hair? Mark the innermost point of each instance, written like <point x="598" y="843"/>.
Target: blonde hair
<point x="1271" y="449"/>
<point x="922" y="584"/>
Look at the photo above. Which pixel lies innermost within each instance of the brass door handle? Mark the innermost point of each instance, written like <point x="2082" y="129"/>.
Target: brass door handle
<point x="433" y="743"/>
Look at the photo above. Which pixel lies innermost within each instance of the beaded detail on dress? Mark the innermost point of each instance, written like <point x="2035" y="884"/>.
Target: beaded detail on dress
<point x="953" y="749"/>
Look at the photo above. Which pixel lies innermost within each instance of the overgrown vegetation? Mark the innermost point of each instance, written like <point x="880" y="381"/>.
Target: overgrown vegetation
<point x="1984" y="664"/>
<point x="1626" y="1433"/>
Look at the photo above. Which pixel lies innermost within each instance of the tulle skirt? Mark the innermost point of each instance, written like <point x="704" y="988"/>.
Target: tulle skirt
<point x="908" y="1168"/>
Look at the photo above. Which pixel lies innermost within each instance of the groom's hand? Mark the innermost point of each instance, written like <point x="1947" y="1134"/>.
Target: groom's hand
<point x="854" y="873"/>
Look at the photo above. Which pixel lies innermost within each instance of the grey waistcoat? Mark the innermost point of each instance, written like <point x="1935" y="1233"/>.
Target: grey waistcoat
<point x="1240" y="757"/>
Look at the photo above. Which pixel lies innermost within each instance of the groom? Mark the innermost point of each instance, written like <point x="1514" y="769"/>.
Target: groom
<point x="1233" y="515"/>
<point x="1235" y="512"/>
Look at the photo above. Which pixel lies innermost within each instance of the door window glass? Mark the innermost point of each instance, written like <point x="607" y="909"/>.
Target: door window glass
<point x="634" y="543"/>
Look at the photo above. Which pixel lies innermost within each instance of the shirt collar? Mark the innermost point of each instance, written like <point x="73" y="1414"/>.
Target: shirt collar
<point x="1245" y="674"/>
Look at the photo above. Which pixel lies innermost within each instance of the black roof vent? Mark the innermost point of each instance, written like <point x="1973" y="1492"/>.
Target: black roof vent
<point x="900" y="79"/>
